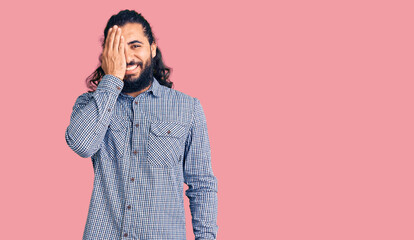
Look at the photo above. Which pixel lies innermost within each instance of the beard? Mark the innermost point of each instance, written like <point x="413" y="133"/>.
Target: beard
<point x="142" y="81"/>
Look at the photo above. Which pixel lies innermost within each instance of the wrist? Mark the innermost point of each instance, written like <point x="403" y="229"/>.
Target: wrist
<point x="117" y="76"/>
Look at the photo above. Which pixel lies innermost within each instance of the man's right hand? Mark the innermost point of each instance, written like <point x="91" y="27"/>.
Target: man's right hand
<point x="113" y="56"/>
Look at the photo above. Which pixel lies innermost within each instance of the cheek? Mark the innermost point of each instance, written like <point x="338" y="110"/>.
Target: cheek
<point x="145" y="56"/>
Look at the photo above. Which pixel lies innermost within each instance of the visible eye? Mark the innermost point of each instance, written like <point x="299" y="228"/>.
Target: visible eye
<point x="136" y="46"/>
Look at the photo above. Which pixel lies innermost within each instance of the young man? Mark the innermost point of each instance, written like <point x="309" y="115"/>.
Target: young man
<point x="145" y="139"/>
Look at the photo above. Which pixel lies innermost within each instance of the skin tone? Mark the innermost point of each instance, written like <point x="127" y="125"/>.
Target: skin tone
<point x="125" y="45"/>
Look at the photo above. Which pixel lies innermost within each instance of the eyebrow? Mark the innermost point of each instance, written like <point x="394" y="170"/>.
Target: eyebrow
<point x="135" y="41"/>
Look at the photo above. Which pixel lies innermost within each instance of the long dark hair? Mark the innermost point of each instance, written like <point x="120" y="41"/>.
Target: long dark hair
<point x="161" y="71"/>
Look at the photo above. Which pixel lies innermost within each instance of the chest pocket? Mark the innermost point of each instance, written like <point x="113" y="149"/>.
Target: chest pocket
<point x="166" y="144"/>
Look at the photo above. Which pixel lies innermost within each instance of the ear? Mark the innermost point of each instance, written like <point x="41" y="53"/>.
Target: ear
<point x="153" y="49"/>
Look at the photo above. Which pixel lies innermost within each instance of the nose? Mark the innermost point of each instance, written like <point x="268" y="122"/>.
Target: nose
<point x="129" y="55"/>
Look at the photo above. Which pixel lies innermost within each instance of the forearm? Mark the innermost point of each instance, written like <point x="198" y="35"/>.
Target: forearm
<point x="91" y="115"/>
<point x="198" y="175"/>
<point x="202" y="194"/>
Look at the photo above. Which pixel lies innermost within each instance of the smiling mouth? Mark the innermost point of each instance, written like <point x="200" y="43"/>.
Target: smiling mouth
<point x="132" y="69"/>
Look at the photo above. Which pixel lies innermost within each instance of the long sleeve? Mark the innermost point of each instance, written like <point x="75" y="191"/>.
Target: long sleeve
<point x="198" y="175"/>
<point x="91" y="115"/>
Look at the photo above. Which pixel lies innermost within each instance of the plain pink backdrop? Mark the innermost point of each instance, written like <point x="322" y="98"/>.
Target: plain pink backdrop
<point x="309" y="107"/>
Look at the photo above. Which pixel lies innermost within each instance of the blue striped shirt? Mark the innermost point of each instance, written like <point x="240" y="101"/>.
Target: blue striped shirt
<point x="143" y="149"/>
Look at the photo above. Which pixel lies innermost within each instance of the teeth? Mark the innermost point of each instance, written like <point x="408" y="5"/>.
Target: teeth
<point x="131" y="68"/>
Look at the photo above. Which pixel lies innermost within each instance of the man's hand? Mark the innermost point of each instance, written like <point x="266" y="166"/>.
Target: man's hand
<point x="113" y="56"/>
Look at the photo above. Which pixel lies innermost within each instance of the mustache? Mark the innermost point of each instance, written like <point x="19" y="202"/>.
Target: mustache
<point x="134" y="63"/>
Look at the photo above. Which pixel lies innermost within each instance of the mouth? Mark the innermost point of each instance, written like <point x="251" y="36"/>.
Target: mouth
<point x="132" y="69"/>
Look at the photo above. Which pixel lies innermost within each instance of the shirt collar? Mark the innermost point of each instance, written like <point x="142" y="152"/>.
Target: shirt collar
<point x="155" y="88"/>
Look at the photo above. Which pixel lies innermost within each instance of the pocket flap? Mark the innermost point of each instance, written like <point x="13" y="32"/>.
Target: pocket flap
<point x="168" y="129"/>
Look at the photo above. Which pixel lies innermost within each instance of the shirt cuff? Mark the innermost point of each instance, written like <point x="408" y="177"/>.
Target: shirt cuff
<point x="110" y="83"/>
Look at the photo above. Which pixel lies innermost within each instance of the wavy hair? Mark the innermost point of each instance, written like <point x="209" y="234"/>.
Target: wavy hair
<point x="161" y="71"/>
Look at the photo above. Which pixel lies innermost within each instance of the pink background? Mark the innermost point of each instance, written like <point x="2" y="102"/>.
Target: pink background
<point x="309" y="107"/>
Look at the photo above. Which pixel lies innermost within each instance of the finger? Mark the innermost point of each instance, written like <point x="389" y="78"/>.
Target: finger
<point x="116" y="40"/>
<point x="111" y="41"/>
<point x="126" y="46"/>
<point x="121" y="46"/>
<point x="107" y="39"/>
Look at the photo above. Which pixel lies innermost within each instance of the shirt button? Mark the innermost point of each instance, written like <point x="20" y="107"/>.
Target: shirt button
<point x="136" y="125"/>
<point x="135" y="152"/>
<point x="168" y="131"/>
<point x="118" y="88"/>
<point x="129" y="207"/>
<point x="132" y="179"/>
<point x="136" y="102"/>
<point x="125" y="234"/>
<point x="109" y="109"/>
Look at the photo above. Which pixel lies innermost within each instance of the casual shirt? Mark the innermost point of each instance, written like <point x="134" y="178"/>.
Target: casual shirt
<point x="143" y="149"/>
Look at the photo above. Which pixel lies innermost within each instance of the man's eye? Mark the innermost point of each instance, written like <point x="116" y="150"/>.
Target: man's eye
<point x="135" y="46"/>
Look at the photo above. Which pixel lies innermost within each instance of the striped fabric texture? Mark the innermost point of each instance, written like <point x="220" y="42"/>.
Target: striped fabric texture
<point x="143" y="149"/>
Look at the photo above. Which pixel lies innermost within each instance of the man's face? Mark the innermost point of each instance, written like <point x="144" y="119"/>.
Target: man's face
<point x="139" y="54"/>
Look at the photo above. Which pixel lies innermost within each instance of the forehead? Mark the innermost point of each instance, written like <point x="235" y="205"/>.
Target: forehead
<point x="134" y="31"/>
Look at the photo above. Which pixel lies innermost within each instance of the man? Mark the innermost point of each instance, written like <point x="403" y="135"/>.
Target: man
<point x="145" y="139"/>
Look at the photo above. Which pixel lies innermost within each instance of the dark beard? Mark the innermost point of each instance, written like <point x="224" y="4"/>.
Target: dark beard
<point x="141" y="82"/>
